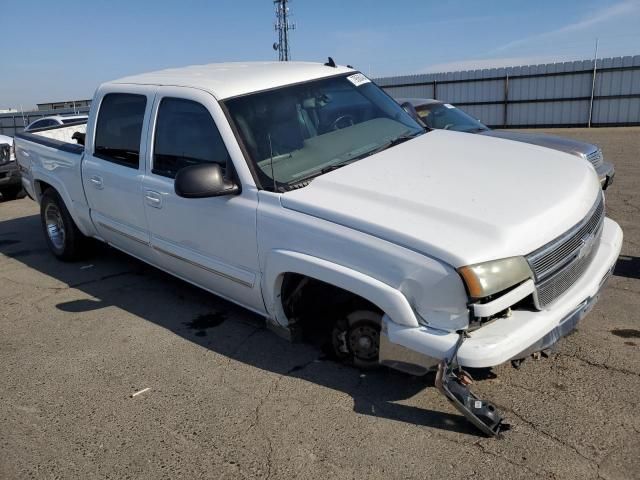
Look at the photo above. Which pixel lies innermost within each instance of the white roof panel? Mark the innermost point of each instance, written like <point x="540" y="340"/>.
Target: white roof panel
<point x="226" y="80"/>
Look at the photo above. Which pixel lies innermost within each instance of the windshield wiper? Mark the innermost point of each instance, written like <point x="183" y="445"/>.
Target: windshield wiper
<point x="389" y="144"/>
<point x="336" y="166"/>
<point x="384" y="146"/>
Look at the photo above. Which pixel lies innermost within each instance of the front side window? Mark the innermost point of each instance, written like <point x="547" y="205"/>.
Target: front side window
<point x="185" y="135"/>
<point x="443" y="116"/>
<point x="119" y="128"/>
<point x="296" y="132"/>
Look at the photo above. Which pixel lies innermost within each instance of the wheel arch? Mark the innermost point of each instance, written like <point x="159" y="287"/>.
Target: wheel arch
<point x="281" y="264"/>
<point x="41" y="185"/>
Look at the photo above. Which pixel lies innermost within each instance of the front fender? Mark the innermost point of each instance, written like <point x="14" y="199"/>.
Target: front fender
<point x="278" y="262"/>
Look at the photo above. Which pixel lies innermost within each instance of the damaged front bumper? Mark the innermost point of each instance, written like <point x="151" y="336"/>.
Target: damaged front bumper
<point x="417" y="350"/>
<point x="422" y="349"/>
<point x="453" y="383"/>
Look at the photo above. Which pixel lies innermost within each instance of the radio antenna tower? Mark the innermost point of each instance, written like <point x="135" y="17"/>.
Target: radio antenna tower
<point x="282" y="26"/>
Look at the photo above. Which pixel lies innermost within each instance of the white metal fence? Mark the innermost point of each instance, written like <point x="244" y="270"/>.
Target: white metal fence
<point x="569" y="94"/>
<point x="548" y="95"/>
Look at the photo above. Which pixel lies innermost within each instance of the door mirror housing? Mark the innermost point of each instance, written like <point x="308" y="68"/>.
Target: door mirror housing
<point x="203" y="181"/>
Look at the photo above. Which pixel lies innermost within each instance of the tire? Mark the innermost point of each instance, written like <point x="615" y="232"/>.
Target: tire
<point x="12" y="193"/>
<point x="356" y="338"/>
<point x="64" y="239"/>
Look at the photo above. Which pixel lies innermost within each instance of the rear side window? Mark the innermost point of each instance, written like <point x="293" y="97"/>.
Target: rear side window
<point x="119" y="128"/>
<point x="185" y="135"/>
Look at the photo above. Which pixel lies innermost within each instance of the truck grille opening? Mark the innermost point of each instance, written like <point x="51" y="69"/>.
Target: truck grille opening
<point x="595" y="157"/>
<point x="560" y="263"/>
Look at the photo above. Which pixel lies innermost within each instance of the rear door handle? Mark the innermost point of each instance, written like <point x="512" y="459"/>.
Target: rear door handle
<point x="97" y="181"/>
<point x="154" y="199"/>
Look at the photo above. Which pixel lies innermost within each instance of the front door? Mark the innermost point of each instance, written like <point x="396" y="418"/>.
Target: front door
<point x="208" y="241"/>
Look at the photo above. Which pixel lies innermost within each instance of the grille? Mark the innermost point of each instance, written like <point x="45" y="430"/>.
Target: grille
<point x="5" y="152"/>
<point x="595" y="157"/>
<point x="557" y="265"/>
<point x="559" y="283"/>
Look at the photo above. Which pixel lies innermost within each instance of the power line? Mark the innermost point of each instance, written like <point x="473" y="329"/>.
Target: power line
<point x="282" y="26"/>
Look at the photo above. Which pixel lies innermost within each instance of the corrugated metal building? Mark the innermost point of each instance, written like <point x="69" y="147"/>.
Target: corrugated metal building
<point x="64" y="105"/>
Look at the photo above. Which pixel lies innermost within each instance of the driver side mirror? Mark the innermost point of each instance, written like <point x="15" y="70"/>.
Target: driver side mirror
<point x="413" y="113"/>
<point x="203" y="181"/>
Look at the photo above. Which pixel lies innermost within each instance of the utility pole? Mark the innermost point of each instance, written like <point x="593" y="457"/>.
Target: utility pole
<point x="593" y="83"/>
<point x="282" y="26"/>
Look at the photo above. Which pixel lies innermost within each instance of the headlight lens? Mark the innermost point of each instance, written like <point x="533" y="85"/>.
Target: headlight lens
<point x="484" y="279"/>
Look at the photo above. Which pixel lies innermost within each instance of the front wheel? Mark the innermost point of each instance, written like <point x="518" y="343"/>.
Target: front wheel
<point x="356" y="338"/>
<point x="64" y="239"/>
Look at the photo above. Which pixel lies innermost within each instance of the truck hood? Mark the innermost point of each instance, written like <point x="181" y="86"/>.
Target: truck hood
<point x="568" y="145"/>
<point x="457" y="197"/>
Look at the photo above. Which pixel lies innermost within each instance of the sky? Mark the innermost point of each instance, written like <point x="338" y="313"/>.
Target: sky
<point x="57" y="50"/>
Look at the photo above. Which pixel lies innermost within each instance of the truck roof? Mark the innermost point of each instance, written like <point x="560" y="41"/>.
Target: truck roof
<point x="225" y="80"/>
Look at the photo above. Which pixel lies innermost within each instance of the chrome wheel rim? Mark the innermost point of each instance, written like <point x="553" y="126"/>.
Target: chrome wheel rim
<point x="55" y="226"/>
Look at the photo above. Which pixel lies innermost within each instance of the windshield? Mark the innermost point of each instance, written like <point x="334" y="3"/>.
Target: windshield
<point x="296" y="132"/>
<point x="443" y="116"/>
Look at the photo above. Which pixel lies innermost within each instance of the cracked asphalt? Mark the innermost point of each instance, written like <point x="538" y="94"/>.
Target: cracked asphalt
<point x="227" y="398"/>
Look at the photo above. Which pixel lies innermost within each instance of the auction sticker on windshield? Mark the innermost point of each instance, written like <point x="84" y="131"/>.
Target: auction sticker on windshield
<point x="358" y="79"/>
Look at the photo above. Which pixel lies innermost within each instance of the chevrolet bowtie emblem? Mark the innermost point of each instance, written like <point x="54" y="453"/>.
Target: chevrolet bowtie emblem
<point x="587" y="245"/>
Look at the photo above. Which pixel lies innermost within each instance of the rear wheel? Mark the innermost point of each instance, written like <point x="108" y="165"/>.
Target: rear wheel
<point x="63" y="237"/>
<point x="356" y="338"/>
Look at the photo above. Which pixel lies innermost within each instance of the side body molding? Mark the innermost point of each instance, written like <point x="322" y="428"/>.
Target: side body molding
<point x="278" y="262"/>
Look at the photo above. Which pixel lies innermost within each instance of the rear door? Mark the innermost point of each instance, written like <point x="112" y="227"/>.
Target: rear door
<point x="112" y="170"/>
<point x="208" y="241"/>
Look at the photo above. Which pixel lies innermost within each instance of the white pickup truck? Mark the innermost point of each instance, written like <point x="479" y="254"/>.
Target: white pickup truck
<point x="304" y="193"/>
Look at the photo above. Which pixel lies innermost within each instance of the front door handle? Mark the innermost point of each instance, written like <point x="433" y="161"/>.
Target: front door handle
<point x="154" y="199"/>
<point x="97" y="181"/>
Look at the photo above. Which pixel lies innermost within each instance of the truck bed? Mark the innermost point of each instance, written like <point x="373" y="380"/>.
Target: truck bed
<point x="56" y="157"/>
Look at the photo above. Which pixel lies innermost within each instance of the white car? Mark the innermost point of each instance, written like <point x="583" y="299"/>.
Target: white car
<point x="55" y="121"/>
<point x="304" y="193"/>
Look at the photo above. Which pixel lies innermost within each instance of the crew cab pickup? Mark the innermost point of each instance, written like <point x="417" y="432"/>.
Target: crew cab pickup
<point x="304" y="193"/>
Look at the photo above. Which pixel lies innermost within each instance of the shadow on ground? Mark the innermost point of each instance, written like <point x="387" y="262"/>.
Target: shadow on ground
<point x="628" y="267"/>
<point x="100" y="275"/>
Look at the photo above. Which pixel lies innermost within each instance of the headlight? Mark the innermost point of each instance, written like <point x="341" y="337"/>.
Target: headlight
<point x="484" y="279"/>
<point x="12" y="152"/>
